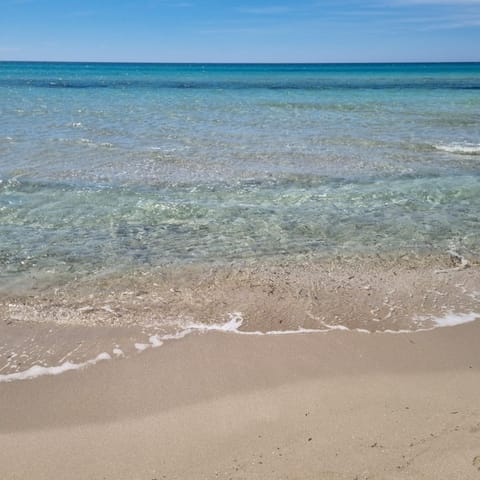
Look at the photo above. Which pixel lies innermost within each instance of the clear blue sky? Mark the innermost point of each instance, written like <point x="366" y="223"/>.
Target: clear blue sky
<point x="240" y="31"/>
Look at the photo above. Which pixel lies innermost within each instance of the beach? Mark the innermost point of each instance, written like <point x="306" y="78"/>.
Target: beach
<point x="257" y="396"/>
<point x="239" y="271"/>
<point x="338" y="405"/>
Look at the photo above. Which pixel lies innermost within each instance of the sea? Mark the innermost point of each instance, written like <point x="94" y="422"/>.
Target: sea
<point x="108" y="169"/>
<point x="114" y="166"/>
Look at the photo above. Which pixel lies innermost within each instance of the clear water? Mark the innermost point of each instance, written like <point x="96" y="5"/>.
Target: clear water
<point x="107" y="167"/>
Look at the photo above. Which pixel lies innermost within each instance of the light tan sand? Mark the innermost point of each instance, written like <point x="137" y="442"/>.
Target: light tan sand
<point x="341" y="405"/>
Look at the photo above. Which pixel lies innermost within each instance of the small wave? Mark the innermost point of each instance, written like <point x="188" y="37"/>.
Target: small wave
<point x="233" y="325"/>
<point x="460" y="148"/>
<point x="40" y="371"/>
<point x="452" y="319"/>
<point x="236" y="321"/>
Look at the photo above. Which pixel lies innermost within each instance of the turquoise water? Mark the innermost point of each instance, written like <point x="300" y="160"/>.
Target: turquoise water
<point x="107" y="167"/>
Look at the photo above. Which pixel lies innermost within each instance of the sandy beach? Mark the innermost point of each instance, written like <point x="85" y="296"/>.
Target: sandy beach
<point x="338" y="405"/>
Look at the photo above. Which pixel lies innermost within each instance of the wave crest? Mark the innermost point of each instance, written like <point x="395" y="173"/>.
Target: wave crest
<point x="462" y="148"/>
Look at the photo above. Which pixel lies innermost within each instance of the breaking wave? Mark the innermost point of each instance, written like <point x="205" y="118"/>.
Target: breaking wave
<point x="461" y="148"/>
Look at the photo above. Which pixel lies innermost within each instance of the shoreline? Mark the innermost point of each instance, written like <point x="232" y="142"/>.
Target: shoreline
<point x="120" y="315"/>
<point x="225" y="406"/>
<point x="231" y="327"/>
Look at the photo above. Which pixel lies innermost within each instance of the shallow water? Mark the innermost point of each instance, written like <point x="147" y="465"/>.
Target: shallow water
<point x="108" y="167"/>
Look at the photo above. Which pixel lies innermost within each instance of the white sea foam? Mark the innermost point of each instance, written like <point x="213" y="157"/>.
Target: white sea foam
<point x="40" y="371"/>
<point x="188" y="327"/>
<point x="460" y="148"/>
<point x="236" y="321"/>
<point x="233" y="326"/>
<point x="291" y="332"/>
<point x="155" y="341"/>
<point x="451" y="319"/>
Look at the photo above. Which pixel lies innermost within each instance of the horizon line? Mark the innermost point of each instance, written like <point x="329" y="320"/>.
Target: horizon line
<point x="131" y="62"/>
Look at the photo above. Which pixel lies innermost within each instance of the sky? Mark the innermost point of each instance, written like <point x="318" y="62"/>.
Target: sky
<point x="240" y="31"/>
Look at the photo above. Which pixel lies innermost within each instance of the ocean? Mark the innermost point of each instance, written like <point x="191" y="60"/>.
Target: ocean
<point x="118" y="166"/>
<point x="110" y="173"/>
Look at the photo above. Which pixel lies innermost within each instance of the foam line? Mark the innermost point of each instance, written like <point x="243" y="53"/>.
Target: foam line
<point x="40" y="371"/>
<point x="231" y="326"/>
<point x="451" y="319"/>
<point x="155" y="341"/>
<point x="460" y="148"/>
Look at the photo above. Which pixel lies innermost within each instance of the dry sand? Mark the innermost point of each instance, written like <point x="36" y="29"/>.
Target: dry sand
<point x="338" y="405"/>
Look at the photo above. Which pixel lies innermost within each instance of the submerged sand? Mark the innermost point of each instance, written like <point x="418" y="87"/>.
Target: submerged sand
<point x="338" y="405"/>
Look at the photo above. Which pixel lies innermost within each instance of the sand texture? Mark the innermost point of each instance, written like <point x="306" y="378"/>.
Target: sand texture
<point x="338" y="405"/>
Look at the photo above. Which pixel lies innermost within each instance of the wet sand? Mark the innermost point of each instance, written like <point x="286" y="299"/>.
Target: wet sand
<point x="338" y="405"/>
<point x="78" y="321"/>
